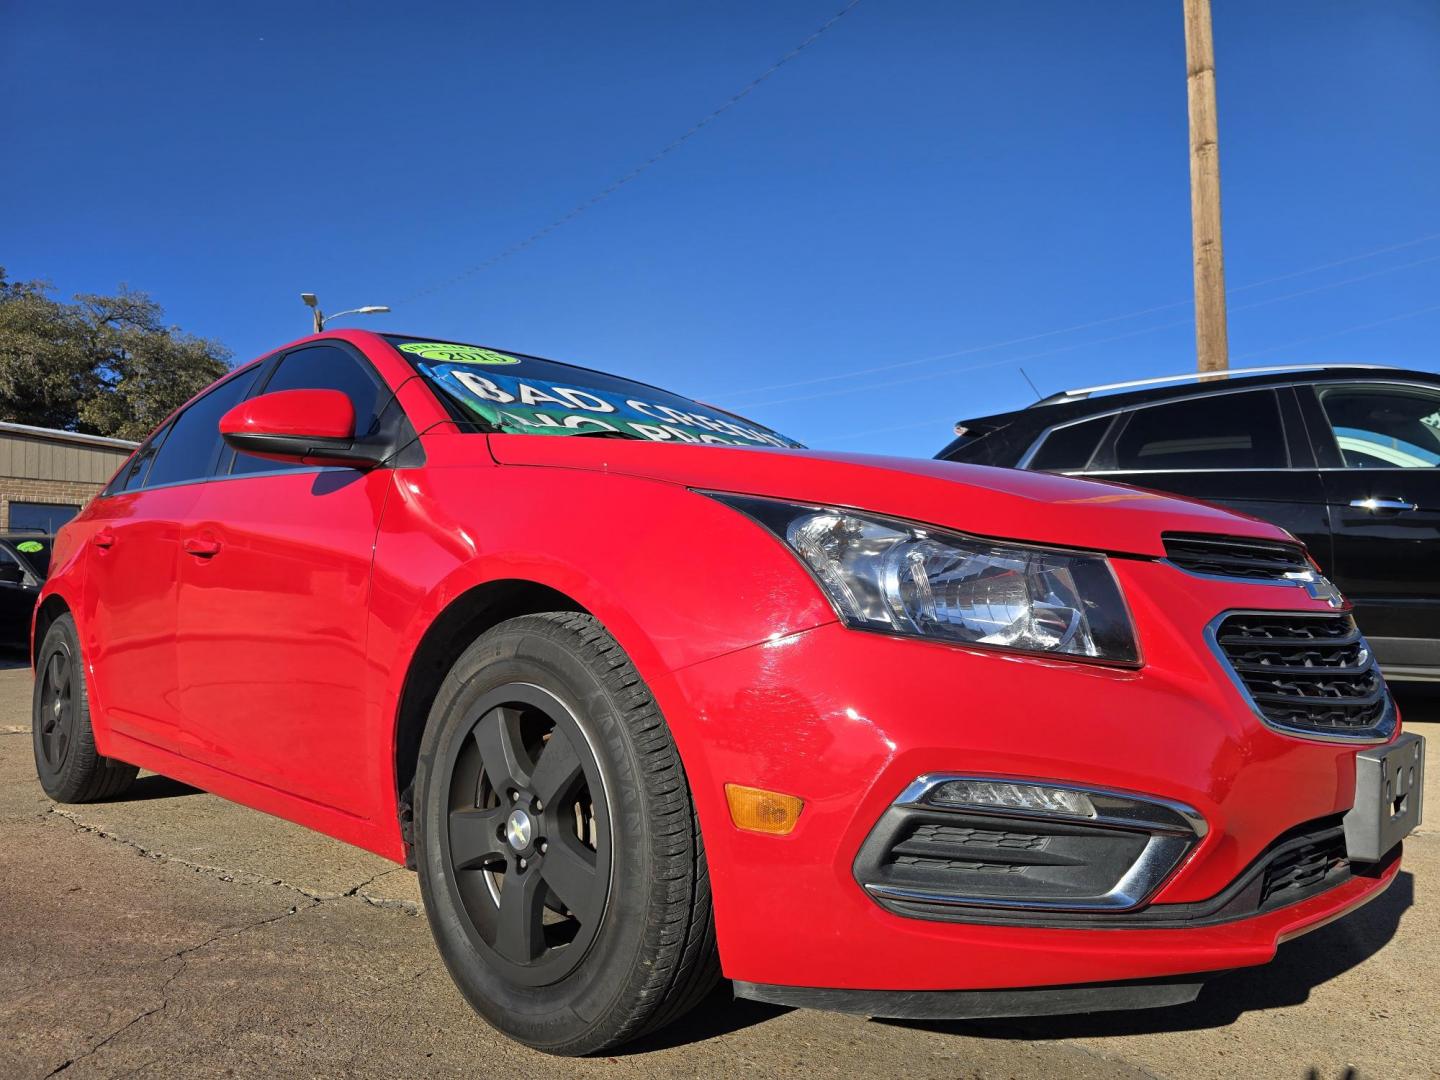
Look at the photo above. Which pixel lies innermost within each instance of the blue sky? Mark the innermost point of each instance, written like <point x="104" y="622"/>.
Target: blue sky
<point x="867" y="247"/>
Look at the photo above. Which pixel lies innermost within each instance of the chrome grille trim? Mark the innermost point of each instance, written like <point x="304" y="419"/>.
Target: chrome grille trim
<point x="1318" y="681"/>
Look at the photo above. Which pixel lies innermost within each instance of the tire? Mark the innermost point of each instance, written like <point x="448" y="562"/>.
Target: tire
<point x="71" y="770"/>
<point x="609" y="933"/>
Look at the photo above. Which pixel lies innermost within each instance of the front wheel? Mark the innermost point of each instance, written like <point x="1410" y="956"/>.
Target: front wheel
<point x="70" y="769"/>
<point x="560" y="859"/>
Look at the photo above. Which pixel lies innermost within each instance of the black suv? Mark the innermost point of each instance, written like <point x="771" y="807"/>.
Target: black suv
<point x="1346" y="458"/>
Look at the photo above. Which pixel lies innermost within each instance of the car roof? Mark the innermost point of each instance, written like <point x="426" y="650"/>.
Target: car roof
<point x="1008" y="434"/>
<point x="1071" y="404"/>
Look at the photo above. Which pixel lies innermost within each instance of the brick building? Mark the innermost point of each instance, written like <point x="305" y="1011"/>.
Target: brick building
<point x="47" y="476"/>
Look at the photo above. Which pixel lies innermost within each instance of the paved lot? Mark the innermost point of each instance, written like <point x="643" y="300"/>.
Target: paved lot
<point x="173" y="934"/>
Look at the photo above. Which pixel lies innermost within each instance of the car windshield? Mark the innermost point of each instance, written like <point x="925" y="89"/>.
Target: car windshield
<point x="511" y="392"/>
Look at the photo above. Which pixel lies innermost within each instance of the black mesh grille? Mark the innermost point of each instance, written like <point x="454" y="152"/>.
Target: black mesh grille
<point x="945" y="847"/>
<point x="1230" y="556"/>
<point x="1309" y="673"/>
<point x="1302" y="869"/>
<point x="976" y="860"/>
<point x="953" y="834"/>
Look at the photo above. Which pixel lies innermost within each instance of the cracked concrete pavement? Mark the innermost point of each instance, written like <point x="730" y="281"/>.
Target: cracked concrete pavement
<point x="170" y="933"/>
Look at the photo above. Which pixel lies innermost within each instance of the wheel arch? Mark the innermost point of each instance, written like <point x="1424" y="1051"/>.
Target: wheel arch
<point x="46" y="612"/>
<point x="449" y="634"/>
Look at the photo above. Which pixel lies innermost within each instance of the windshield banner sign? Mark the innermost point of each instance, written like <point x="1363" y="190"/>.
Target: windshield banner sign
<point x="518" y="403"/>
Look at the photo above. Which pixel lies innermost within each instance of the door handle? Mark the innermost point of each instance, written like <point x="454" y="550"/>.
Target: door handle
<point x="202" y="547"/>
<point x="1375" y="505"/>
<point x="104" y="539"/>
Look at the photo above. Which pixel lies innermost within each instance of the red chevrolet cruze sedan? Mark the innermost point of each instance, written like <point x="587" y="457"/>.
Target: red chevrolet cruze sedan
<point x="648" y="694"/>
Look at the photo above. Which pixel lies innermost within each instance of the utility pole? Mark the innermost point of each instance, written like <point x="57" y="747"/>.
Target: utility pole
<point x="1212" y="339"/>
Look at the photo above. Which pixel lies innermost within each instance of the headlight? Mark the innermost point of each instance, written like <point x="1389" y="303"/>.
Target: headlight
<point x="890" y="575"/>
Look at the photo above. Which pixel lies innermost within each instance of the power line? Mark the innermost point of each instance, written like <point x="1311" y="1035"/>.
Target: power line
<point x="1124" y="317"/>
<point x="1340" y="262"/>
<point x="1003" y="361"/>
<point x="1337" y="284"/>
<point x="847" y="436"/>
<point x="654" y="159"/>
<point x="1338" y="333"/>
<point x="840" y="392"/>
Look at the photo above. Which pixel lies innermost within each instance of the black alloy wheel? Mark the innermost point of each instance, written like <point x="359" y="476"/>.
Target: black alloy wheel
<point x="527" y="841"/>
<point x="70" y="769"/>
<point x="56" y="714"/>
<point x="559" y="851"/>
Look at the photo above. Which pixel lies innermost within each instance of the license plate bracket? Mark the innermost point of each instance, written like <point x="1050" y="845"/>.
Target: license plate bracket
<point x="1389" y="790"/>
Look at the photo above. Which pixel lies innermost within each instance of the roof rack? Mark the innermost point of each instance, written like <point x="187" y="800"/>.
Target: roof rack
<point x="1085" y="392"/>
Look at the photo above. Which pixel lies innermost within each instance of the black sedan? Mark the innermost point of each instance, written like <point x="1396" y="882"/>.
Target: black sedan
<point x="24" y="564"/>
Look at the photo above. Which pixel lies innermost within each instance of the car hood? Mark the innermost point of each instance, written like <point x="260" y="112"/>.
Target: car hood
<point x="1003" y="503"/>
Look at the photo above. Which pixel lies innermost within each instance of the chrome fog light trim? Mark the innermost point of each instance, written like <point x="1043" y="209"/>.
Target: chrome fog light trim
<point x="1122" y="809"/>
<point x="1018" y="844"/>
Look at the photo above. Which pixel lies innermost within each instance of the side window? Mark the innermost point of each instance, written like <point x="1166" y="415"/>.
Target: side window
<point x="321" y="367"/>
<point x="11" y="572"/>
<point x="1384" y="427"/>
<point x="193" y="445"/>
<point x="132" y="475"/>
<point x="1223" y="431"/>
<point x="1070" y="447"/>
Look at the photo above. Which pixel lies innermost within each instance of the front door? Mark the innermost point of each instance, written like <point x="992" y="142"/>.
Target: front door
<point x="1245" y="450"/>
<point x="1380" y="443"/>
<point x="274" y="591"/>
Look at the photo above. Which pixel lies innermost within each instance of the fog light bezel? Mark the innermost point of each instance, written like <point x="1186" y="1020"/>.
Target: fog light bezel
<point x="1171" y="831"/>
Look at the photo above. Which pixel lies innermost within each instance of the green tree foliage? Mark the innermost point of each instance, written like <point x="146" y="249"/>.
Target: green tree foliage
<point x="104" y="365"/>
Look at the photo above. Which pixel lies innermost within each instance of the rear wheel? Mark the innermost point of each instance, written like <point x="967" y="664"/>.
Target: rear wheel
<point x="559" y="854"/>
<point x="70" y="769"/>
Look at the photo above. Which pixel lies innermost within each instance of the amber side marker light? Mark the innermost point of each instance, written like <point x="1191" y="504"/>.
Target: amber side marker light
<point x="757" y="810"/>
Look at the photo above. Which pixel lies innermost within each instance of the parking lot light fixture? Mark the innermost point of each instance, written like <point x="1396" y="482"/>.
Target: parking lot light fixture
<point x="321" y="318"/>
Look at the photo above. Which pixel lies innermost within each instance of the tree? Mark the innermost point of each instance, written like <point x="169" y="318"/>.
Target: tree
<point x="104" y="365"/>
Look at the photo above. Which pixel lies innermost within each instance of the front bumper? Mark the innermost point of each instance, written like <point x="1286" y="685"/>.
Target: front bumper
<point x="847" y="720"/>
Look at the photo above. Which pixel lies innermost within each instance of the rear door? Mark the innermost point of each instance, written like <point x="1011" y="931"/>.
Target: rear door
<point x="1379" y="444"/>
<point x="1243" y="449"/>
<point x="274" y="589"/>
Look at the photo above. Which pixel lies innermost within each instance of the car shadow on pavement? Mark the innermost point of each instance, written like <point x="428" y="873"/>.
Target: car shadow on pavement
<point x="13" y="659"/>
<point x="1299" y="966"/>
<point x="152" y="786"/>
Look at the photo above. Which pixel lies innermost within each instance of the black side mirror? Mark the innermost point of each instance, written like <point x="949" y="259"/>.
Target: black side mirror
<point x="11" y="574"/>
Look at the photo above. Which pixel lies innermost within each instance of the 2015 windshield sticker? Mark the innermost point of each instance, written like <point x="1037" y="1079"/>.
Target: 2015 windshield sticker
<point x="543" y="407"/>
<point x="30" y="547"/>
<point x="457" y="354"/>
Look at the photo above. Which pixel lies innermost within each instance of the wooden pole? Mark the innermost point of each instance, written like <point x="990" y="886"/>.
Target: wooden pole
<point x="1212" y="341"/>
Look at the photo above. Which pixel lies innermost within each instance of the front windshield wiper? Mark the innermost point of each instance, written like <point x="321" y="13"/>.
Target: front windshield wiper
<point x="602" y="433"/>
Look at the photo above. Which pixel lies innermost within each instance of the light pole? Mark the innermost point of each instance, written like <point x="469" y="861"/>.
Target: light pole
<point x="321" y="318"/>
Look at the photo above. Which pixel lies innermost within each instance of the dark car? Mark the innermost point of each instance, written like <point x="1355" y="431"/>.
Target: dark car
<point x="24" y="565"/>
<point x="1345" y="458"/>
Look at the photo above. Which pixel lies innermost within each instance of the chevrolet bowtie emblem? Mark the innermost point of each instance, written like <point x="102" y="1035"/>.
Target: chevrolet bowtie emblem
<point x="1318" y="586"/>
